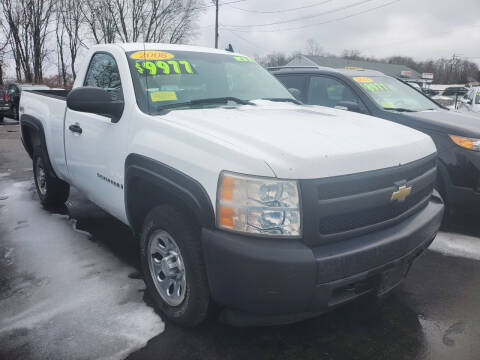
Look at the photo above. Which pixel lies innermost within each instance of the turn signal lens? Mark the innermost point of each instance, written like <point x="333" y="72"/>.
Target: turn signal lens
<point x="258" y="205"/>
<point x="466" y="143"/>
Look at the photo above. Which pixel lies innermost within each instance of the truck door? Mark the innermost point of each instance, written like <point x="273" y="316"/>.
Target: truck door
<point x="93" y="144"/>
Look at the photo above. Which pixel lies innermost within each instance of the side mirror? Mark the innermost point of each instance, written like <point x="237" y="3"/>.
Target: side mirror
<point x="95" y="101"/>
<point x="297" y="94"/>
<point x="348" y="105"/>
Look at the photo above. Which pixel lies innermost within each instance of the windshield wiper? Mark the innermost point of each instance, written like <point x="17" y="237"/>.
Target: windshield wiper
<point x="399" y="109"/>
<point x="283" y="100"/>
<point x="219" y="100"/>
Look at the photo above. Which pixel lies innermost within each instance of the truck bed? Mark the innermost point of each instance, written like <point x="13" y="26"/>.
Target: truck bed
<point x="58" y="94"/>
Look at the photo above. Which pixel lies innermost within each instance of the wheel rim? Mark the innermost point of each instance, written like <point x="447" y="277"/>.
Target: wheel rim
<point x="167" y="267"/>
<point x="41" y="177"/>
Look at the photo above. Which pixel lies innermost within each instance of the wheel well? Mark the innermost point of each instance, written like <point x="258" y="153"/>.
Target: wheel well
<point x="31" y="139"/>
<point x="144" y="195"/>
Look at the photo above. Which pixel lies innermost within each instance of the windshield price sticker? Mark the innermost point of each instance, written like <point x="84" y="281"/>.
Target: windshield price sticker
<point x="362" y="79"/>
<point x="169" y="67"/>
<point x="243" y="59"/>
<point x="375" y="87"/>
<point x="151" y="55"/>
<point x="163" y="96"/>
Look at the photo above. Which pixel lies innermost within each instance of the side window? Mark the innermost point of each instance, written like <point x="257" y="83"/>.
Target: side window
<point x="326" y="91"/>
<point x="295" y="82"/>
<point x="103" y="73"/>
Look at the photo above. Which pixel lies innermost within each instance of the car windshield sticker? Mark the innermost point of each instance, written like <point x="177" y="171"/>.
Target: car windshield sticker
<point x="363" y="79"/>
<point x="243" y="59"/>
<point x="163" y="96"/>
<point x="375" y="87"/>
<point x="151" y="55"/>
<point x="169" y="67"/>
<point x="387" y="104"/>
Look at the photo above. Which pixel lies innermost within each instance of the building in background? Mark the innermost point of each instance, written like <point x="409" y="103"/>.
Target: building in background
<point x="399" y="71"/>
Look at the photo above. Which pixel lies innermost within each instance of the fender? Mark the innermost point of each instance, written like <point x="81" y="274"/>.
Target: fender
<point x="170" y="181"/>
<point x="36" y="128"/>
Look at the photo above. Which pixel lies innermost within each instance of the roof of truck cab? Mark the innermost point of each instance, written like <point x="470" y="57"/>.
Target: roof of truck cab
<point x="172" y="47"/>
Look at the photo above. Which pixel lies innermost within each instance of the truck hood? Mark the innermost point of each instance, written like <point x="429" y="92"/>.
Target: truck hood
<point x="448" y="122"/>
<point x="301" y="142"/>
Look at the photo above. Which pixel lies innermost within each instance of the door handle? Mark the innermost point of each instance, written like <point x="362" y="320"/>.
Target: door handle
<point x="75" y="128"/>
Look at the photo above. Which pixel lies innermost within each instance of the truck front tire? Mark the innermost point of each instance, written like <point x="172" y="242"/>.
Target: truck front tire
<point x="173" y="265"/>
<point x="51" y="190"/>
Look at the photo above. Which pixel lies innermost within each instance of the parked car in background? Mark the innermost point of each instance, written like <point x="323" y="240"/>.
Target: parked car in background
<point x="14" y="92"/>
<point x="445" y="101"/>
<point x="455" y="91"/>
<point x="430" y="92"/>
<point x="470" y="102"/>
<point x="3" y="104"/>
<point x="456" y="135"/>
<point x="239" y="195"/>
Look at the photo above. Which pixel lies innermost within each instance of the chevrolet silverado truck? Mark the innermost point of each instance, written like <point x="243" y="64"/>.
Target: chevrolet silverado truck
<point x="243" y="200"/>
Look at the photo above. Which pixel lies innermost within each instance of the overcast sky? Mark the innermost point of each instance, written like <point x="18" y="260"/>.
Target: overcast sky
<point x="421" y="29"/>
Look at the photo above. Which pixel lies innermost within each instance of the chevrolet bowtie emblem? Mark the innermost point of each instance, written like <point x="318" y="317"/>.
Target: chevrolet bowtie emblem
<point x="402" y="193"/>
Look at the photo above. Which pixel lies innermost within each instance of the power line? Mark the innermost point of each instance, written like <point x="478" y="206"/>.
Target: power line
<point x="220" y="4"/>
<point x="324" y="22"/>
<point x="309" y="16"/>
<point x="280" y="11"/>
<point x="242" y="38"/>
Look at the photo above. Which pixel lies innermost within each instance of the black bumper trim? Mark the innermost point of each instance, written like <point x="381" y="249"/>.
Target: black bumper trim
<point x="282" y="277"/>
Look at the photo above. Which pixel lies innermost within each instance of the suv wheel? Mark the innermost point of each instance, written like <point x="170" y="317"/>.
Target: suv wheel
<point x="51" y="190"/>
<point x="173" y="267"/>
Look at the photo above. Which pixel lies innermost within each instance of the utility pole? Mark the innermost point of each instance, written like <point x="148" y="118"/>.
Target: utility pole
<point x="216" y="24"/>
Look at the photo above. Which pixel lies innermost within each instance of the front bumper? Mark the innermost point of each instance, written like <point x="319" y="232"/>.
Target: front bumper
<point x="263" y="281"/>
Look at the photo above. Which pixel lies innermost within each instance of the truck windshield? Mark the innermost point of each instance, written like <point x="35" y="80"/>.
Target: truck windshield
<point x="392" y="94"/>
<point x="187" y="79"/>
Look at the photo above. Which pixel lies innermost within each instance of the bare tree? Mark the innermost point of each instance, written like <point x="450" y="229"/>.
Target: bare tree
<point x="38" y="13"/>
<point x="60" y="35"/>
<point x="141" y="20"/>
<point x="18" y="23"/>
<point x="28" y="22"/>
<point x="72" y="19"/>
<point x="313" y="49"/>
<point x="4" y="36"/>
<point x="100" y="20"/>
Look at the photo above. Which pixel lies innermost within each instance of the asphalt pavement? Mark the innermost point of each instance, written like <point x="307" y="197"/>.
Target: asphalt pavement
<point x="70" y="288"/>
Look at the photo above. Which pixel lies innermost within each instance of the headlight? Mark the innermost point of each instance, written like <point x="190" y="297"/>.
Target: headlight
<point x="467" y="143"/>
<point x="258" y="205"/>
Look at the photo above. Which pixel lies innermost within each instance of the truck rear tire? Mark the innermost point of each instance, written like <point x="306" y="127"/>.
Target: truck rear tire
<point x="51" y="190"/>
<point x="173" y="266"/>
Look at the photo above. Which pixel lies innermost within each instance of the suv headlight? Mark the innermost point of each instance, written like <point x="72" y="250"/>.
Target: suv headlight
<point x="466" y="143"/>
<point x="258" y="205"/>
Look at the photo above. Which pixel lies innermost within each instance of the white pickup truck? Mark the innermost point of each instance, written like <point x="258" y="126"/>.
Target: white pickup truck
<point x="240" y="196"/>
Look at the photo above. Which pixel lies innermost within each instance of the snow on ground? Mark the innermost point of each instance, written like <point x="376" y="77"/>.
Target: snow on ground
<point x="457" y="245"/>
<point x="70" y="298"/>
